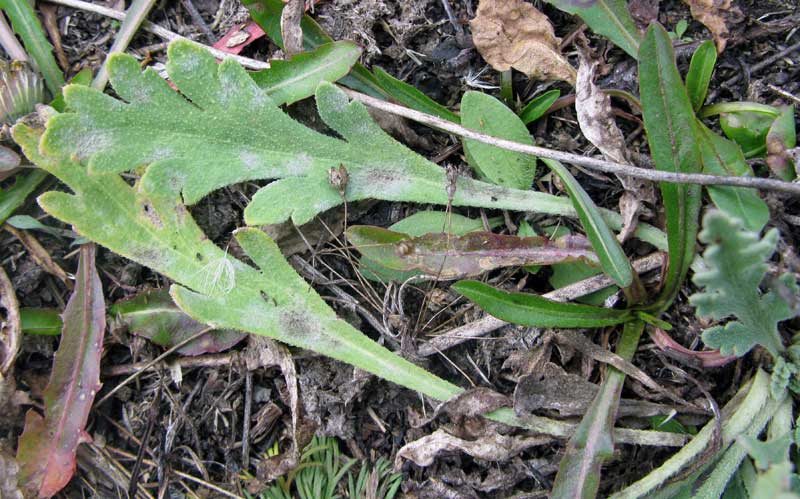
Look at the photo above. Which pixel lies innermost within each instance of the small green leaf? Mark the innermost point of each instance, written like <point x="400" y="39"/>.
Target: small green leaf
<point x="780" y="138"/>
<point x="82" y="77"/>
<point x="723" y="157"/>
<point x="483" y="113"/>
<point x="681" y="27"/>
<point x="539" y="105"/>
<point x="699" y="75"/>
<point x="670" y="124"/>
<point x="535" y="311"/>
<point x="42" y="321"/>
<point x="12" y="197"/>
<point x="410" y="96"/>
<point x="612" y="257"/>
<point x="747" y="129"/>
<point x="296" y="79"/>
<point x="610" y="18"/>
<point x="735" y="264"/>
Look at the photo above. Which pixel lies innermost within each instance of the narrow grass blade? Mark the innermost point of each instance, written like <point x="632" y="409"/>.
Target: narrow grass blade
<point x="670" y="124"/>
<point x="409" y="96"/>
<point x="592" y="444"/>
<point x="27" y="26"/>
<point x="539" y="105"/>
<point x="535" y="311"/>
<point x="13" y="197"/>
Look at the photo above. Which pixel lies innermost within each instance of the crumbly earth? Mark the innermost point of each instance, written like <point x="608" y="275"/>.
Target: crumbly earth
<point x="200" y="406"/>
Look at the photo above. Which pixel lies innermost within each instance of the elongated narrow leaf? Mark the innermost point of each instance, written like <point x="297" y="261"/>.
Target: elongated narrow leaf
<point x="612" y="257"/>
<point x="13" y="197"/>
<point x="699" y="76"/>
<point x="451" y="257"/>
<point x="293" y="80"/>
<point x="48" y="445"/>
<point x="722" y="157"/>
<point x="483" y="113"/>
<point x="539" y="105"/>
<point x="267" y="13"/>
<point x="609" y="18"/>
<point x="671" y="132"/>
<point x="44" y="321"/>
<point x="409" y="96"/>
<point x="533" y="310"/>
<point x="592" y="444"/>
<point x="27" y="26"/>
<point x="153" y="315"/>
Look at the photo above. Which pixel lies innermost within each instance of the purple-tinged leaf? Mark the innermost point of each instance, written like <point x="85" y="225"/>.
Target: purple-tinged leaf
<point x="48" y="445"/>
<point x="155" y="316"/>
<point x="450" y="257"/>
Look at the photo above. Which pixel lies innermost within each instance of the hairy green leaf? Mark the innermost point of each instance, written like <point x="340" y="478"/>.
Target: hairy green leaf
<point x="450" y="257"/>
<point x="670" y="124"/>
<point x="533" y="310"/>
<point x="230" y="131"/>
<point x="539" y="105"/>
<point x="48" y="446"/>
<point x="722" y="157"/>
<point x="612" y="257"/>
<point x="483" y="113"/>
<point x="409" y="96"/>
<point x="592" y="444"/>
<point x="212" y="286"/>
<point x="609" y="18"/>
<point x="293" y="80"/>
<point x="699" y="76"/>
<point x="735" y="263"/>
<point x="153" y="315"/>
<point x="27" y="26"/>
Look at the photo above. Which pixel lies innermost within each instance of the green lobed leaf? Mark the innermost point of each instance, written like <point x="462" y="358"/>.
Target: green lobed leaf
<point x="48" y="445"/>
<point x="610" y="18"/>
<point x="612" y="257"/>
<point x="483" y="113"/>
<point x="26" y="24"/>
<point x="410" y="96"/>
<point x="735" y="264"/>
<point x="449" y="257"/>
<point x="723" y="157"/>
<point x="701" y="68"/>
<point x="593" y="443"/>
<point x="671" y="133"/>
<point x="537" y="106"/>
<point x="229" y="131"/>
<point x="289" y="81"/>
<point x="211" y="286"/>
<point x="535" y="311"/>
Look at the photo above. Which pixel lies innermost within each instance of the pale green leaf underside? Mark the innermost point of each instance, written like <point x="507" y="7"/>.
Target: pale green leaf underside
<point x="735" y="265"/>
<point x="222" y="129"/>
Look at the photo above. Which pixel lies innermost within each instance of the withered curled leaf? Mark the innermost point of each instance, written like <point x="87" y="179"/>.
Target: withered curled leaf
<point x="514" y="34"/>
<point x="716" y="15"/>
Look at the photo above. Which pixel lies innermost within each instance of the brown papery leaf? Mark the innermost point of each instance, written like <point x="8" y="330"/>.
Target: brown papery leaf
<point x="715" y="15"/>
<point x="48" y="445"/>
<point x="10" y="324"/>
<point x="513" y="34"/>
<point x="9" y="479"/>
<point x="596" y="119"/>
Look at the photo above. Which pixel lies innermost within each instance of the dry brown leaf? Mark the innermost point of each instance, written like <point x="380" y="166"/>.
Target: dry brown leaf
<point x="596" y="119"/>
<point x="491" y="447"/>
<point x="10" y="324"/>
<point x="513" y="34"/>
<point x="715" y="15"/>
<point x="39" y="254"/>
<point x="9" y="477"/>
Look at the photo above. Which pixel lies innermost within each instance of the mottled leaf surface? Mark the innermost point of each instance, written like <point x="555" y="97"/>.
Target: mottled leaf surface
<point x="48" y="445"/>
<point x="735" y="264"/>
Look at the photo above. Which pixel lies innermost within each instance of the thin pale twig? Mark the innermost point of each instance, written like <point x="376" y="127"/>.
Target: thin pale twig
<point x="134" y="17"/>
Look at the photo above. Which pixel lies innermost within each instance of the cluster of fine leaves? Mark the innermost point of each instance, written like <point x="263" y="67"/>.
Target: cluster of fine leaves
<point x="735" y="263"/>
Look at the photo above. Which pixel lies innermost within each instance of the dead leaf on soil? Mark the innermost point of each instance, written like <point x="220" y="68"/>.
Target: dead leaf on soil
<point x="10" y="324"/>
<point x="716" y="15"/>
<point x="513" y="34"/>
<point x="39" y="254"/>
<point x="47" y="447"/>
<point x="9" y="477"/>
<point x="491" y="447"/>
<point x="596" y="119"/>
